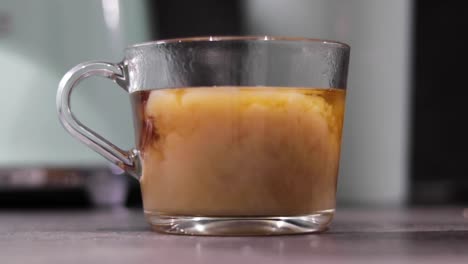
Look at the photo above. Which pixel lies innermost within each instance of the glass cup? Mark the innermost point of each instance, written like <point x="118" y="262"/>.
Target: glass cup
<point x="234" y="135"/>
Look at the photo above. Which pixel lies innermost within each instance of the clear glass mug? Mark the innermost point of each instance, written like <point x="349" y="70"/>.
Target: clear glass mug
<point x="235" y="135"/>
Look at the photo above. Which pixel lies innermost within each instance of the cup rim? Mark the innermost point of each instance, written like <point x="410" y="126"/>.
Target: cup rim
<point x="265" y="38"/>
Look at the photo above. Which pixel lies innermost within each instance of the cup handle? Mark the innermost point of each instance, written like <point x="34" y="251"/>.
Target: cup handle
<point x="127" y="160"/>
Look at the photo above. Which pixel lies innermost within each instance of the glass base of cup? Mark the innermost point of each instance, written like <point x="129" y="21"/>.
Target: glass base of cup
<point x="240" y="226"/>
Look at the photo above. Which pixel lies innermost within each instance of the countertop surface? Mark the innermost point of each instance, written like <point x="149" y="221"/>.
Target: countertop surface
<point x="434" y="235"/>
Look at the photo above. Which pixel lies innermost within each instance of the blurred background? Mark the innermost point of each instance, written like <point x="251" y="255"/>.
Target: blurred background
<point x="402" y="142"/>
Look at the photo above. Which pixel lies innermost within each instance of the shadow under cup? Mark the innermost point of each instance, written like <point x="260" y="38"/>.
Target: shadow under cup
<point x="235" y="135"/>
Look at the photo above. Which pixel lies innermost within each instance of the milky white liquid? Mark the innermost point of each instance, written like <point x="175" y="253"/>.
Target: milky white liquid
<point x="239" y="151"/>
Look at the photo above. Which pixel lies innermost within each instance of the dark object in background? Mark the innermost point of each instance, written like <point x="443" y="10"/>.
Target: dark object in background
<point x="61" y="198"/>
<point x="439" y="135"/>
<point x="57" y="187"/>
<point x="178" y="18"/>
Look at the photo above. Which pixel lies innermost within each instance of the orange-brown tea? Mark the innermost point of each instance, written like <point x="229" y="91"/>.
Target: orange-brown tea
<point x="239" y="151"/>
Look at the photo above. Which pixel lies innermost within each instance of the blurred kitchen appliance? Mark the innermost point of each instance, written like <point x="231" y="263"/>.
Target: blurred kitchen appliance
<point x="39" y="41"/>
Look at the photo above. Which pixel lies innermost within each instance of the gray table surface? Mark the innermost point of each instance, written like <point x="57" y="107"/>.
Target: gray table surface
<point x="122" y="236"/>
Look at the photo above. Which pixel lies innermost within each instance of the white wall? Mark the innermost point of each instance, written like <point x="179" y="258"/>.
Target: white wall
<point x="374" y="164"/>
